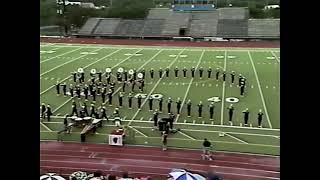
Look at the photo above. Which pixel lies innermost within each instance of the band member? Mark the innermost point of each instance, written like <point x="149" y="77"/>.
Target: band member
<point x="99" y="76"/>
<point x="64" y="89"/>
<point x="160" y="104"/>
<point x="209" y="72"/>
<point x="74" y="75"/>
<point x="134" y="74"/>
<point x="201" y="72"/>
<point x="155" y="118"/>
<point x="43" y="110"/>
<point x="143" y="73"/>
<point x="200" y="109"/>
<point x="78" y="91"/>
<point x="130" y="100"/>
<point x="260" y="114"/>
<point x="85" y="109"/>
<point x="211" y="110"/>
<point x="108" y="77"/>
<point x="110" y="97"/>
<point x="86" y="91"/>
<point x="178" y="105"/>
<point x="241" y="90"/>
<point x="232" y="76"/>
<point x="231" y="109"/>
<point x="92" y="110"/>
<point x="94" y="93"/>
<point x="58" y="88"/>
<point x="120" y="99"/>
<point x="71" y="90"/>
<point x="184" y="72"/>
<point x="160" y="73"/>
<point x="125" y="73"/>
<point x="150" y="99"/>
<point x="217" y="74"/>
<point x="119" y="77"/>
<point x="189" y="104"/>
<point x="224" y="76"/>
<point x="192" y="72"/>
<point x="169" y="105"/>
<point x="246" y="116"/>
<point x="49" y="112"/>
<point x="151" y="73"/>
<point x="139" y="102"/>
<point x="103" y="114"/>
<point x="124" y="86"/>
<point x="176" y="70"/>
<point x="74" y="109"/>
<point x="167" y="72"/>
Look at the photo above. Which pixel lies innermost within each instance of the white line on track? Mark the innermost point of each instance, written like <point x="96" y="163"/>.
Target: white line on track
<point x="190" y="83"/>
<point x="154" y="87"/>
<point x="67" y="62"/>
<point x="60" y="55"/>
<point x="223" y="89"/>
<point x="83" y="68"/>
<point x="261" y="94"/>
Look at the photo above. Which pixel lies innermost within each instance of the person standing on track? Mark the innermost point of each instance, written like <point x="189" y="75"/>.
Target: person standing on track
<point x="200" y="109"/>
<point x="246" y="116"/>
<point x="169" y="105"/>
<point x="231" y="109"/>
<point x="130" y="100"/>
<point x="206" y="150"/>
<point x="164" y="140"/>
<point x="189" y="104"/>
<point x="209" y="72"/>
<point x="260" y="114"/>
<point x="184" y="72"/>
<point x="178" y="105"/>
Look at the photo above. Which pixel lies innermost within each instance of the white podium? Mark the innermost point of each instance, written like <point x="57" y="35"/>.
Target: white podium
<point x="115" y="140"/>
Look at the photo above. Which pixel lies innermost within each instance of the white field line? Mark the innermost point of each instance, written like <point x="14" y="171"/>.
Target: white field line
<point x="204" y="125"/>
<point x="275" y="56"/>
<point x="200" y="140"/>
<point x="186" y="135"/>
<point x="138" y="131"/>
<point x="61" y="55"/>
<point x="223" y="89"/>
<point x="171" y="47"/>
<point x="83" y="68"/>
<point x="190" y="83"/>
<point x="46" y="127"/>
<point x="261" y="94"/>
<point x="67" y="62"/>
<point x="104" y="73"/>
<point x="236" y="138"/>
<point x="154" y="87"/>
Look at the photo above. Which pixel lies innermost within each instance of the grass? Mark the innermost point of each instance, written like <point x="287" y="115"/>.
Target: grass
<point x="262" y="92"/>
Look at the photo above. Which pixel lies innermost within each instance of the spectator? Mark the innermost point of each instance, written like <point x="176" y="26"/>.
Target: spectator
<point x="206" y="149"/>
<point x="164" y="140"/>
<point x="112" y="177"/>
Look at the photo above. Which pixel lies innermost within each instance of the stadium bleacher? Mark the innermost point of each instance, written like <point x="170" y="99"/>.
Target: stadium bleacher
<point x="264" y="27"/>
<point x="127" y="27"/>
<point x="223" y="22"/>
<point x="153" y="27"/>
<point x="107" y="26"/>
<point x="203" y="24"/>
<point x="230" y="28"/>
<point x="89" y="26"/>
<point x="193" y="7"/>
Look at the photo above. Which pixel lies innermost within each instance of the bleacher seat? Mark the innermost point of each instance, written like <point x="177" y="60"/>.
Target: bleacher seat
<point x="236" y="28"/>
<point x="203" y="24"/>
<point x="128" y="27"/>
<point x="106" y="26"/>
<point x="89" y="26"/>
<point x="264" y="27"/>
<point x="153" y="27"/>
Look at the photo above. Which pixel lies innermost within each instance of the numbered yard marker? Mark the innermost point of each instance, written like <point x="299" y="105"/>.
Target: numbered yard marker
<point x="214" y="99"/>
<point x="232" y="100"/>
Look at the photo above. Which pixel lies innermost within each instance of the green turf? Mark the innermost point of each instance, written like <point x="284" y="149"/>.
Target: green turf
<point x="58" y="61"/>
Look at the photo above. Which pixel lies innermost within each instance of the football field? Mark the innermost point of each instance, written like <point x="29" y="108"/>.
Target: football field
<point x="261" y="67"/>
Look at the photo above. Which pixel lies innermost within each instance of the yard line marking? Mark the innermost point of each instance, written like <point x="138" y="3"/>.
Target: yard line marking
<point x="186" y="135"/>
<point x="236" y="138"/>
<point x="222" y="126"/>
<point x="259" y="87"/>
<point x="83" y="68"/>
<point x="141" y="119"/>
<point x="212" y="122"/>
<point x="185" y="121"/>
<point x="61" y="55"/>
<point x="251" y="86"/>
<point x="154" y="87"/>
<point x="202" y="122"/>
<point x="138" y="131"/>
<point x="223" y="88"/>
<point x="67" y="63"/>
<point x="194" y="122"/>
<point x="46" y="127"/>
<point x="217" y="85"/>
<point x="62" y="105"/>
<point x="189" y="86"/>
<point x="275" y="56"/>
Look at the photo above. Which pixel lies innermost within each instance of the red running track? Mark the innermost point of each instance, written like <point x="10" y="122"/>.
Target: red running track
<point x="65" y="158"/>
